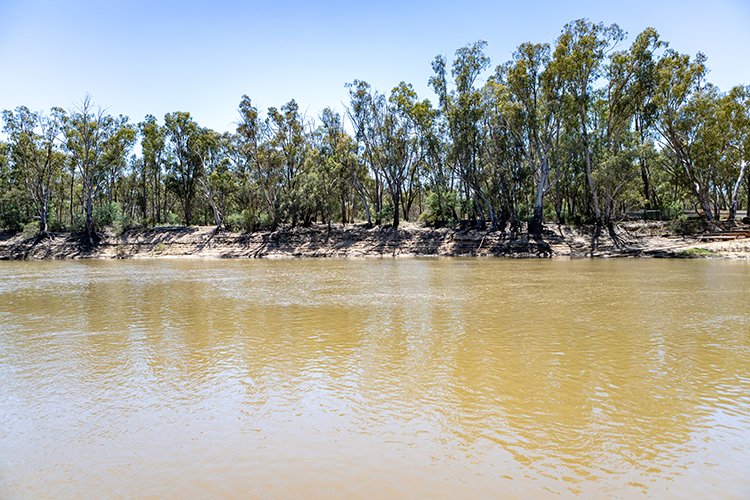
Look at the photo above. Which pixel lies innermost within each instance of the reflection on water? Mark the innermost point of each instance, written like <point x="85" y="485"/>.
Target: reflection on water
<point x="374" y="378"/>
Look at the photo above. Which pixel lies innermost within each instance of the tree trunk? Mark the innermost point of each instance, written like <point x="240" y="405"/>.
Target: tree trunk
<point x="43" y="211"/>
<point x="536" y="225"/>
<point x="590" y="178"/>
<point x="396" y="198"/>
<point x="363" y="195"/>
<point x="644" y="168"/>
<point x="646" y="186"/>
<point x="188" y="209"/>
<point x="218" y="218"/>
<point x="706" y="206"/>
<point x="90" y="216"/>
<point x="72" y="185"/>
<point x="736" y="192"/>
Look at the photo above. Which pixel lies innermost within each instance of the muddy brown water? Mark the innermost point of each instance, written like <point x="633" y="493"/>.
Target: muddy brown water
<point x="438" y="378"/>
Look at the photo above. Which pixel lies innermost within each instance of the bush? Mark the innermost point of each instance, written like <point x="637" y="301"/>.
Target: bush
<point x="674" y="210"/>
<point x="10" y="218"/>
<point x="79" y="223"/>
<point x="439" y="211"/>
<point x="55" y="225"/>
<point x="234" y="222"/>
<point x="171" y="218"/>
<point x="108" y="215"/>
<point x="696" y="253"/>
<point x="248" y="221"/>
<point x="11" y="210"/>
<point x="136" y="222"/>
<point x="264" y="221"/>
<point x="385" y="215"/>
<point x="31" y="229"/>
<point x="686" y="226"/>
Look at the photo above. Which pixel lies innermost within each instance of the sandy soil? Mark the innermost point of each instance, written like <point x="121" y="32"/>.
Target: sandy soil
<point x="635" y="239"/>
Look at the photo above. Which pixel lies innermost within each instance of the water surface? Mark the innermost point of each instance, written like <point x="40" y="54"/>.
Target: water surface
<point x="377" y="378"/>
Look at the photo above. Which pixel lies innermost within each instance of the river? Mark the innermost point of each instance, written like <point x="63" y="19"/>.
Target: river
<point x="375" y="378"/>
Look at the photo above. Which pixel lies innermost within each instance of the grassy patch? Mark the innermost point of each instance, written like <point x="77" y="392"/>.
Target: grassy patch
<point x="695" y="253"/>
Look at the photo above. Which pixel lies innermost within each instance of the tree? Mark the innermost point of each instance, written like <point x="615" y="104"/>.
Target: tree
<point x="686" y="108"/>
<point x="153" y="150"/>
<point x="288" y="138"/>
<point x="734" y="112"/>
<point x="463" y="112"/>
<point x="255" y="158"/>
<point x="96" y="142"/>
<point x="385" y="129"/>
<point x="578" y="58"/>
<point x="532" y="113"/>
<point x="214" y="174"/>
<point x="183" y="134"/>
<point x="34" y="150"/>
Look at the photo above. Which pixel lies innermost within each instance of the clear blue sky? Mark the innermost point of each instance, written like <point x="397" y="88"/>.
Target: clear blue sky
<point x="148" y="56"/>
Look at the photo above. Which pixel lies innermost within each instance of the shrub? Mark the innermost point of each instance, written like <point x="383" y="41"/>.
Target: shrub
<point x="10" y="218"/>
<point x="31" y="229"/>
<point x="439" y="211"/>
<point x="686" y="226"/>
<point x="386" y="214"/>
<point x="693" y="253"/>
<point x="234" y="222"/>
<point x="109" y="215"/>
<point x="55" y="225"/>
<point x="11" y="210"/>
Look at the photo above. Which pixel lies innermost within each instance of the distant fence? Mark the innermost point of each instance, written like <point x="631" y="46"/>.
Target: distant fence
<point x="690" y="214"/>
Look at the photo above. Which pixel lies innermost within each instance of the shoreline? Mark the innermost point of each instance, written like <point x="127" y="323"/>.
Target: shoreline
<point x="632" y="239"/>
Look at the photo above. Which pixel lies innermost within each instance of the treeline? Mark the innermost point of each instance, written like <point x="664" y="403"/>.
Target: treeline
<point x="578" y="131"/>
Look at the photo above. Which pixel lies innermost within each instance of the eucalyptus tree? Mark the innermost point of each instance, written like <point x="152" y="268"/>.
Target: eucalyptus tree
<point x="685" y="107"/>
<point x="335" y="165"/>
<point x="214" y="178"/>
<point x="254" y="156"/>
<point x="288" y="138"/>
<point x="183" y="134"/>
<point x="504" y="154"/>
<point x="735" y="113"/>
<point x="434" y="172"/>
<point x="34" y="143"/>
<point x="463" y="112"/>
<point x="12" y="197"/>
<point x="415" y="117"/>
<point x="361" y="116"/>
<point x="640" y="70"/>
<point x="622" y="112"/>
<point x="153" y="151"/>
<point x="579" y="57"/>
<point x="385" y="130"/>
<point x="533" y="101"/>
<point x="97" y="143"/>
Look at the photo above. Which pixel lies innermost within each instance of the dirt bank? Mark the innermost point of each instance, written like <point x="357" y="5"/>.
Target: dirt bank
<point x="632" y="240"/>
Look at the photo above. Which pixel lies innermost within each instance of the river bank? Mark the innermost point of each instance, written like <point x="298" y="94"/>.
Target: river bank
<point x="633" y="239"/>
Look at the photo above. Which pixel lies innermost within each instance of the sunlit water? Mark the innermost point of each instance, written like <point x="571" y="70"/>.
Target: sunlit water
<point x="374" y="378"/>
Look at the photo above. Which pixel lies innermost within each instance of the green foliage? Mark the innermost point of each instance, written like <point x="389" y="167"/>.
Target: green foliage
<point x="696" y="253"/>
<point x="440" y="208"/>
<point x="109" y="215"/>
<point x="386" y="213"/>
<point x="235" y="222"/>
<point x="12" y="217"/>
<point x="688" y="226"/>
<point x="56" y="225"/>
<point x="578" y="129"/>
<point x="30" y="229"/>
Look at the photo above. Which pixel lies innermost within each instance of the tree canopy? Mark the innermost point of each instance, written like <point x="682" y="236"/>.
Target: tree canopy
<point x="579" y="130"/>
